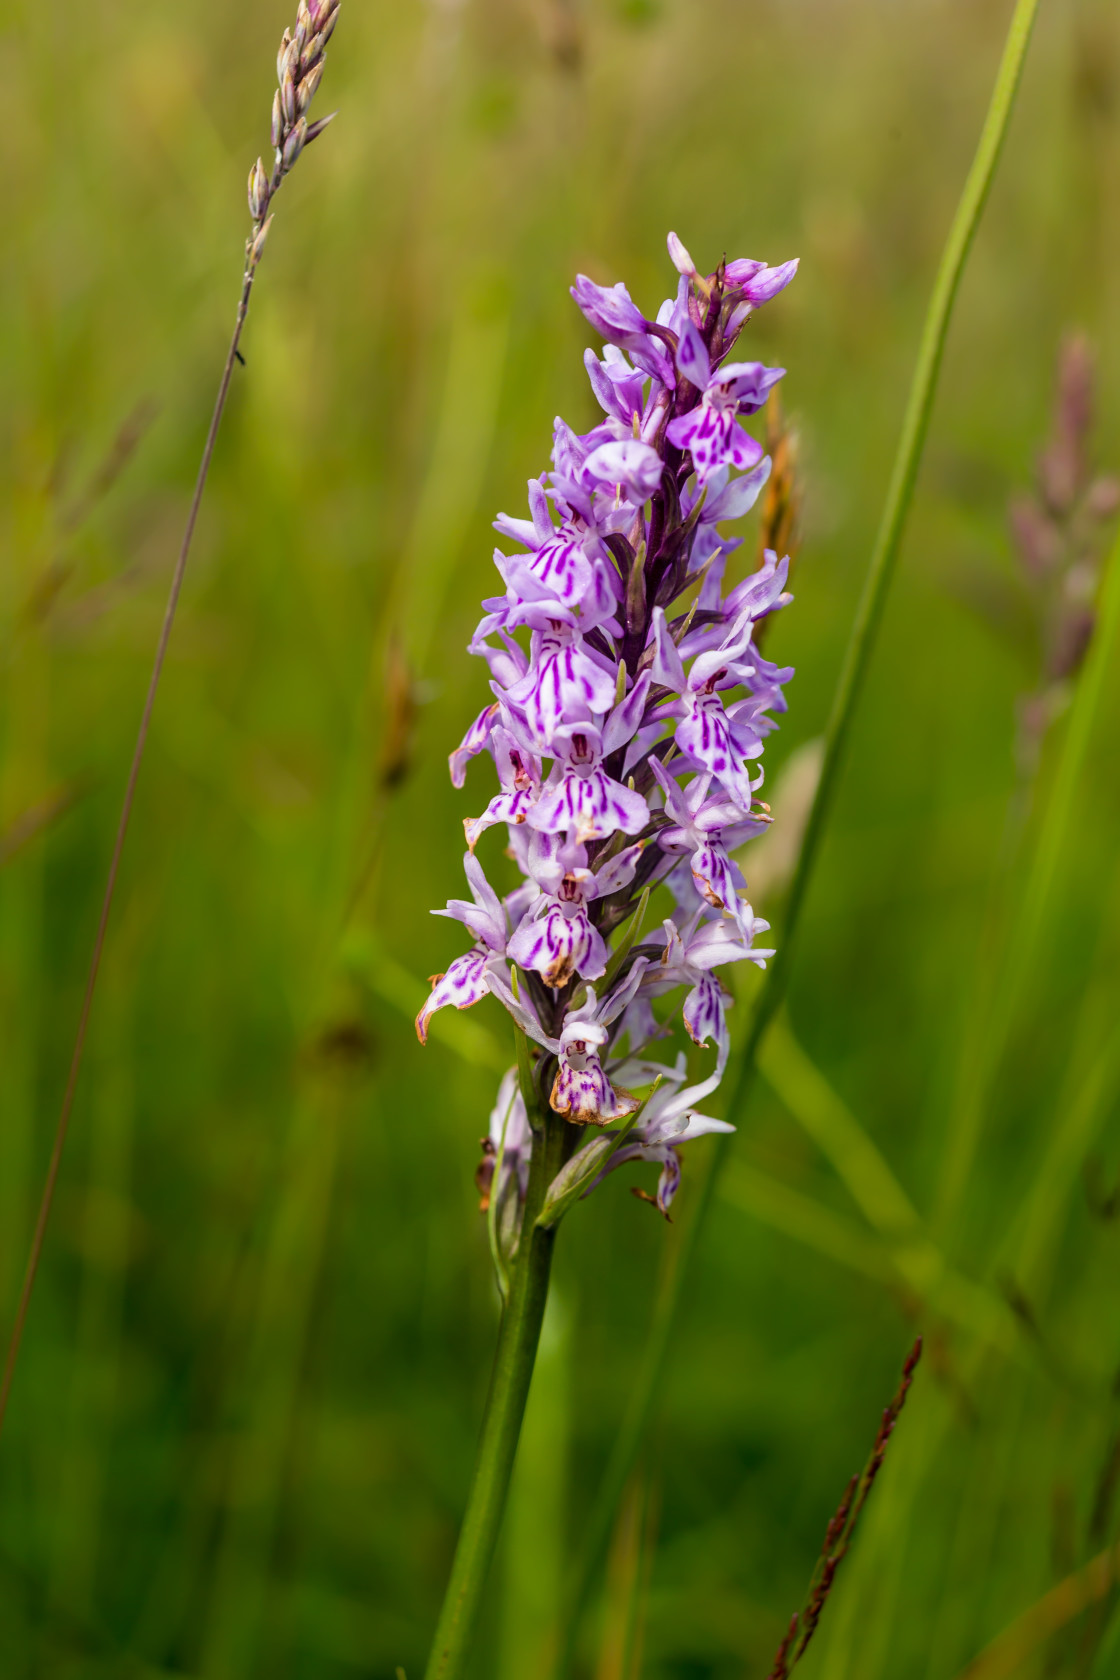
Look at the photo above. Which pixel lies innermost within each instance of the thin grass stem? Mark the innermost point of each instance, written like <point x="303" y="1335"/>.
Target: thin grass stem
<point x="47" y="1199"/>
<point x="853" y="674"/>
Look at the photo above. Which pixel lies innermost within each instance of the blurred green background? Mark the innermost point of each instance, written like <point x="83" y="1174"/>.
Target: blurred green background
<point x="244" y="1418"/>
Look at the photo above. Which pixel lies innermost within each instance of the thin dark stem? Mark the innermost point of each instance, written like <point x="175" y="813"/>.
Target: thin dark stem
<point x="63" y="1126"/>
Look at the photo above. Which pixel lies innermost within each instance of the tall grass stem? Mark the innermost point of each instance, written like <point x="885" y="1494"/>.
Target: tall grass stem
<point x="47" y="1199"/>
<point x="857" y="659"/>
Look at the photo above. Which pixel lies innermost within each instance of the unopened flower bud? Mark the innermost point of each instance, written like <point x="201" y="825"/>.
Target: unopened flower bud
<point x="282" y="55"/>
<point x="315" y="45"/>
<point x="323" y="13"/>
<point x="277" y="120"/>
<point x="306" y="90"/>
<point x="316" y="128"/>
<point x="288" y="104"/>
<point x="294" y="144"/>
<point x="257" y="245"/>
<point x="258" y="191"/>
<point x="680" y="258"/>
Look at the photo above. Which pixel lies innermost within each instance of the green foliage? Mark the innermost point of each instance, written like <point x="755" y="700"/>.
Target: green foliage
<point x="244" y="1420"/>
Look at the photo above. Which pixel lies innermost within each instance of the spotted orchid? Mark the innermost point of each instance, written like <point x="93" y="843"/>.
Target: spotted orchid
<point x="627" y="733"/>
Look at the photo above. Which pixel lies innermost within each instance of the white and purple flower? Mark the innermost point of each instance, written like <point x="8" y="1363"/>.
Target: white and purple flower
<point x="626" y="730"/>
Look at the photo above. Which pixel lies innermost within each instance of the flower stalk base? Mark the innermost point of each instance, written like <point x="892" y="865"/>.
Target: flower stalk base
<point x="512" y="1373"/>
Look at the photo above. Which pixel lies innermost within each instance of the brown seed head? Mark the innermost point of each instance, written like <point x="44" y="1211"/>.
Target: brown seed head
<point x="281" y="56"/>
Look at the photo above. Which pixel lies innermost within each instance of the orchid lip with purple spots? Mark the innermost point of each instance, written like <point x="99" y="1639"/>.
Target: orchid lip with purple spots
<point x="628" y="712"/>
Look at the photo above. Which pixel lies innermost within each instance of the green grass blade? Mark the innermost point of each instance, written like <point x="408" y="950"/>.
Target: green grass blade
<point x="835" y="1130"/>
<point x="1034" y="904"/>
<point x="852" y="676"/>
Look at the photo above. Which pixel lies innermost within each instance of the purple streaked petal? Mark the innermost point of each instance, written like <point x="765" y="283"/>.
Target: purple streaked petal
<point x="463" y="985"/>
<point x="667" y="668"/>
<point x="692" y="358"/>
<point x="618" y="872"/>
<point x="703" y="1010"/>
<point x="558" y="945"/>
<point x="521" y="1009"/>
<point x="750" y="382"/>
<point x="592" y="807"/>
<point x="584" y="1095"/>
<point x="474" y="741"/>
<point x="624" y="720"/>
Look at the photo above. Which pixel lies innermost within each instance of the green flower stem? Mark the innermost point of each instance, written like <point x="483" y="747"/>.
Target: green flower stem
<point x="857" y="659"/>
<point x="514" y="1358"/>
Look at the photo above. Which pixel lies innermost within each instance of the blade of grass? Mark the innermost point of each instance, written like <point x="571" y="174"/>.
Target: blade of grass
<point x="47" y="1199"/>
<point x="1014" y="1647"/>
<point x="912" y="1253"/>
<point x="97" y="1353"/>
<point x="628" y="1571"/>
<point x="1089" y="1088"/>
<point x="834" y="1129"/>
<point x="270" y="1392"/>
<point x="852" y="675"/>
<point x="1033" y="905"/>
<point x="918" y="1268"/>
<point x="23" y="908"/>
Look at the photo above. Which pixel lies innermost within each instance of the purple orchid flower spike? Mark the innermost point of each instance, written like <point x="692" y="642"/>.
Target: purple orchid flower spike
<point x="710" y="432"/>
<point x="627" y="733"/>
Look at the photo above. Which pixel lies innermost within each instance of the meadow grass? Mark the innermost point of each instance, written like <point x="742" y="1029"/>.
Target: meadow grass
<point x="245" y="1417"/>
